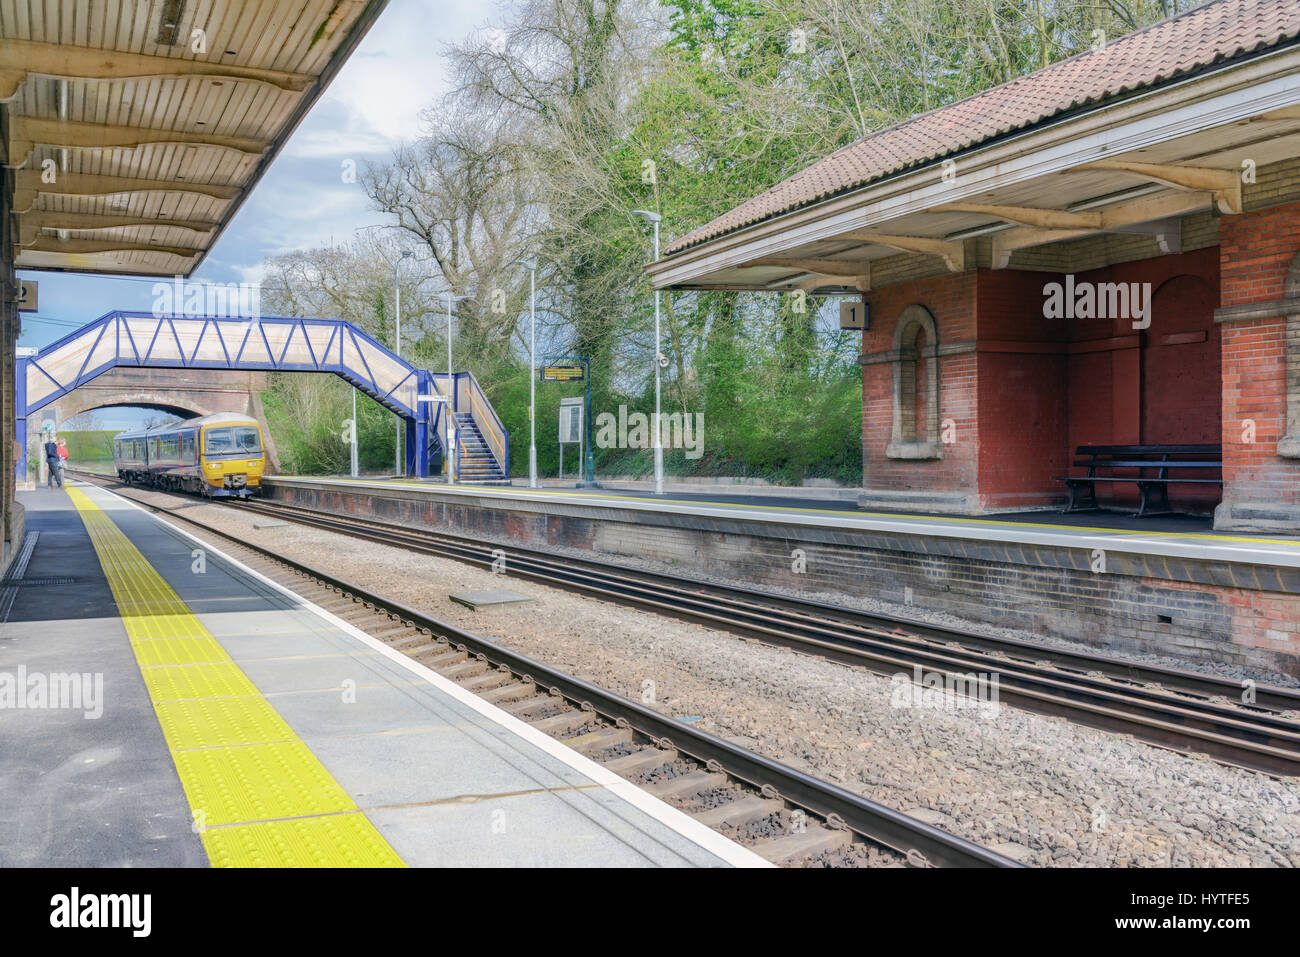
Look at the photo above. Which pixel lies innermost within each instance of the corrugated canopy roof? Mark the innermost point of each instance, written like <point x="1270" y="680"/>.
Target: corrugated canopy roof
<point x="135" y="130"/>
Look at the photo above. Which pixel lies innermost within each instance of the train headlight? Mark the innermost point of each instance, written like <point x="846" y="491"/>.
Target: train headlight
<point x="214" y="465"/>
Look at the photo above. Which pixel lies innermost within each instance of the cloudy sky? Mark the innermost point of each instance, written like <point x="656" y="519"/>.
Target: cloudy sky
<point x="372" y="105"/>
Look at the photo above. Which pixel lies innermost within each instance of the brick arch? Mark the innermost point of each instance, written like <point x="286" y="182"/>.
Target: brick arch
<point x="1289" y="445"/>
<point x="141" y="400"/>
<point x="909" y="439"/>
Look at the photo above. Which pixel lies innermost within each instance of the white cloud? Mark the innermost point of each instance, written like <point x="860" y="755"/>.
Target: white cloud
<point x="375" y="101"/>
<point x="397" y="71"/>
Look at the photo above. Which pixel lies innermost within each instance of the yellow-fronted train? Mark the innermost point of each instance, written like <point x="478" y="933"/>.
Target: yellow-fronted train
<point x="219" y="456"/>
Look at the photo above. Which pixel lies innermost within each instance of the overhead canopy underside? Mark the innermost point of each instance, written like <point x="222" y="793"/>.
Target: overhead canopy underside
<point x="134" y="131"/>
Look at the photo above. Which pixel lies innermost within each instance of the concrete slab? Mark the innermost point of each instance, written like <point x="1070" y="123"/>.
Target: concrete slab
<point x="475" y="600"/>
<point x="446" y="778"/>
<point x="76" y="791"/>
<point x="544" y="829"/>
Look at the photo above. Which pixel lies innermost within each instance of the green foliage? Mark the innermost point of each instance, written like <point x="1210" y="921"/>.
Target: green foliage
<point x="89" y="447"/>
<point x="306" y="414"/>
<point x="547" y="146"/>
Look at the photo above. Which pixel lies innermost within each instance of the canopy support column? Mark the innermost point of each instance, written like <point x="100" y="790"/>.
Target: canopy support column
<point x="417" y="430"/>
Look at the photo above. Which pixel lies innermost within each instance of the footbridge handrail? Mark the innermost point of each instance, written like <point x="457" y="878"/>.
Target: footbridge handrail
<point x="268" y="343"/>
<point x="489" y="423"/>
<point x="271" y="343"/>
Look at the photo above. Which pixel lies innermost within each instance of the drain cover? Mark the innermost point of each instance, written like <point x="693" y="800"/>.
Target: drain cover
<point x="18" y="582"/>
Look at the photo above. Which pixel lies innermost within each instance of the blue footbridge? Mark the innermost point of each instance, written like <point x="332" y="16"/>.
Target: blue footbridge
<point x="440" y="410"/>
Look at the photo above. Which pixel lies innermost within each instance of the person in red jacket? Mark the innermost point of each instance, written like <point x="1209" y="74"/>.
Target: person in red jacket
<point x="63" y="457"/>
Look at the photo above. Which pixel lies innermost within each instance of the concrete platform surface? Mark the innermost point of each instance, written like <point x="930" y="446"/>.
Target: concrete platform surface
<point x="239" y="725"/>
<point x="1173" y="536"/>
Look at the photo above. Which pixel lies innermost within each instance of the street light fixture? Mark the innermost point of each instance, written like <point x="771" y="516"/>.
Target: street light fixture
<point x="654" y="219"/>
<point x="397" y="314"/>
<point x="532" y="375"/>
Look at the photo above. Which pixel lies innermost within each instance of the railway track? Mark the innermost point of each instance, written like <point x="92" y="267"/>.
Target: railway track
<point x="1185" y="711"/>
<point x="784" y="815"/>
<point x="1181" y="710"/>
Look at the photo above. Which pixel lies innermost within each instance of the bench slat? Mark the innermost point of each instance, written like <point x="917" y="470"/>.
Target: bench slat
<point x="1149" y="450"/>
<point x="1135" y="479"/>
<point x="1139" y="464"/>
<point x="1143" y="459"/>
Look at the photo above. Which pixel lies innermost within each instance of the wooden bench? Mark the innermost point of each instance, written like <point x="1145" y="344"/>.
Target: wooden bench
<point x="1154" y="489"/>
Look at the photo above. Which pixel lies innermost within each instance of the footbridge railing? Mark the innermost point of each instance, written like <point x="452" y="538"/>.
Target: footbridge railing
<point x="271" y="343"/>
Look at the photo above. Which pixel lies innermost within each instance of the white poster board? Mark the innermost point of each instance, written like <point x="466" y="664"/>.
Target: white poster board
<point x="571" y="420"/>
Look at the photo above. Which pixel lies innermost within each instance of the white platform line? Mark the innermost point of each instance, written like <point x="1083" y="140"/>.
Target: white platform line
<point x="678" y="821"/>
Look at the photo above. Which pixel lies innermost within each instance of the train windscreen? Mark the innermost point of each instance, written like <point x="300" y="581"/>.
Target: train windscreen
<point x="246" y="439"/>
<point x="218" y="441"/>
<point x="241" y="439"/>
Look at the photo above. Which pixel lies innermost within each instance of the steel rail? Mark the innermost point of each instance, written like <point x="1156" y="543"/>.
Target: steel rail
<point x="1173" y="679"/>
<point x="920" y="842"/>
<point x="1258" y="740"/>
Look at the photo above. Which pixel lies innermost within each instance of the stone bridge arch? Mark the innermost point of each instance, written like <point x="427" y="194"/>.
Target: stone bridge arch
<point x="183" y="392"/>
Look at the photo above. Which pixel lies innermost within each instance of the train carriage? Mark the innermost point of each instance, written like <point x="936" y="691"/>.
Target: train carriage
<point x="219" y="456"/>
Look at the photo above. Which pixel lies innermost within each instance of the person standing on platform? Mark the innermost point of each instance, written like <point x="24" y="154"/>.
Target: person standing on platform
<point x="63" y="458"/>
<point x="52" y="464"/>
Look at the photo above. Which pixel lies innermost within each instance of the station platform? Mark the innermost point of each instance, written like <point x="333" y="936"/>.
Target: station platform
<point x="163" y="705"/>
<point x="1165" y="535"/>
<point x="1167" y="586"/>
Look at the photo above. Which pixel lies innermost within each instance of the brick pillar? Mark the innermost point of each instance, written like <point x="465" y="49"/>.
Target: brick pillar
<point x="1260" y="315"/>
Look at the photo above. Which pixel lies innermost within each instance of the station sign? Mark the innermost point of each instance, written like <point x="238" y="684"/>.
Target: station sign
<point x="563" y="372"/>
<point x="853" y="314"/>
<point x="27" y="295"/>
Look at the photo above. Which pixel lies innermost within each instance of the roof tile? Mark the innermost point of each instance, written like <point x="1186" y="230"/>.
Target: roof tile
<point x="1197" y="38"/>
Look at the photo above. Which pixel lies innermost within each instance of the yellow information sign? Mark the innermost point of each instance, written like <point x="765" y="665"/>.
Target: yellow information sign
<point x="562" y="373"/>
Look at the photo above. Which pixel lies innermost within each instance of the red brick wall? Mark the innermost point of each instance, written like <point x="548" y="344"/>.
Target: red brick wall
<point x="1256" y="252"/>
<point x="1022" y="396"/>
<point x="1143" y="388"/>
<point x="951" y="300"/>
<point x="1180" y="398"/>
<point x="1036" y="388"/>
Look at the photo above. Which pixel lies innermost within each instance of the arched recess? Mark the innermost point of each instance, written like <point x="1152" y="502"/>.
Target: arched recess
<point x="915" y="431"/>
<point x="1182" y="378"/>
<point x="1288" y="447"/>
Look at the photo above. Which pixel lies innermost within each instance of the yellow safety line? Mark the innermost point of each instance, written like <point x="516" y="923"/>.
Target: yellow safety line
<point x="258" y="796"/>
<point x="776" y="508"/>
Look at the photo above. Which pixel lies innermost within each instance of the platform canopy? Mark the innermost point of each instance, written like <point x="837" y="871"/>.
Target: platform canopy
<point x="1131" y="138"/>
<point x="135" y="130"/>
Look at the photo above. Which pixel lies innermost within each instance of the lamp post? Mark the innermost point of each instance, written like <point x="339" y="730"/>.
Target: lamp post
<point x="397" y="314"/>
<point x="451" y="402"/>
<point x="532" y="375"/>
<point x="353" y="456"/>
<point x="653" y="219"/>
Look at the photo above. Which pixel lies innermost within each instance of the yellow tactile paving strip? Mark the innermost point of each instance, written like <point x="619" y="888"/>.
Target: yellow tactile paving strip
<point x="259" y="796"/>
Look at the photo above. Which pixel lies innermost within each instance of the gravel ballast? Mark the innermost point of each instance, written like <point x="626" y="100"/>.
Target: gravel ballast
<point x="1039" y="789"/>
